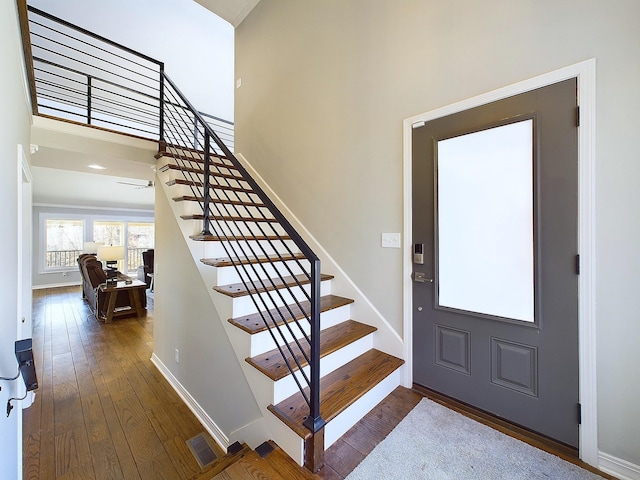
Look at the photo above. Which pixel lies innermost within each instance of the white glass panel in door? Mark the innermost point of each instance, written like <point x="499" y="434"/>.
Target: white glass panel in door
<point x="485" y="222"/>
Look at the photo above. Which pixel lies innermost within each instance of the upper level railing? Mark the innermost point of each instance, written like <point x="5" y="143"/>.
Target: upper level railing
<point x="86" y="78"/>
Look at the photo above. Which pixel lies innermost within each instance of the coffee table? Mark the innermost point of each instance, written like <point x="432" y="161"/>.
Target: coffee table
<point x="111" y="292"/>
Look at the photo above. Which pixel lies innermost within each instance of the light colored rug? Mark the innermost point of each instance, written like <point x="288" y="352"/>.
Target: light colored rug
<point x="434" y="442"/>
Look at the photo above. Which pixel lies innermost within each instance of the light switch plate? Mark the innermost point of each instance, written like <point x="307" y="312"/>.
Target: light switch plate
<point x="390" y="240"/>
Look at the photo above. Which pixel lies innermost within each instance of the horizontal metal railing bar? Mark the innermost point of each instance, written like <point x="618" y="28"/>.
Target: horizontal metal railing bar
<point x="215" y="118"/>
<point x="92" y="56"/>
<point x="138" y="121"/>
<point x="81" y="93"/>
<point x="88" y="65"/>
<point x="77" y="39"/>
<point x="93" y="35"/>
<point x="79" y="72"/>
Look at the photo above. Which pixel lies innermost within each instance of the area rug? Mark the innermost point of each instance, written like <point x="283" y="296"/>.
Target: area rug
<point x="434" y="442"/>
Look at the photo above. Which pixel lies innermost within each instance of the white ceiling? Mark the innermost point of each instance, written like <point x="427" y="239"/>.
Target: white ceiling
<point x="52" y="186"/>
<point x="233" y="11"/>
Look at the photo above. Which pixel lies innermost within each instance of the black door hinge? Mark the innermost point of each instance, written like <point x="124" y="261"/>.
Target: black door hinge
<point x="577" y="264"/>
<point x="577" y="116"/>
<point x="579" y="414"/>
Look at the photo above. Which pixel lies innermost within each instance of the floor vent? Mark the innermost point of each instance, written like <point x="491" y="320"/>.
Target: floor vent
<point x="201" y="449"/>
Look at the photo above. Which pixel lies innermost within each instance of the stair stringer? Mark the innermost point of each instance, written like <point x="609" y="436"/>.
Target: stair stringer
<point x="386" y="339"/>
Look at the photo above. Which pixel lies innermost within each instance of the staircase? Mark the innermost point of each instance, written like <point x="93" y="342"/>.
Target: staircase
<point x="274" y="342"/>
<point x="314" y="371"/>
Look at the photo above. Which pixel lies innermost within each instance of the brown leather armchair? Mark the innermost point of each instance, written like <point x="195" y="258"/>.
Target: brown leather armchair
<point x="92" y="276"/>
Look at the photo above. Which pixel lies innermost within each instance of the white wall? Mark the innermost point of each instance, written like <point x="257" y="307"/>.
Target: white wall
<point x="326" y="85"/>
<point x="185" y="318"/>
<point x="195" y="45"/>
<point x="14" y="130"/>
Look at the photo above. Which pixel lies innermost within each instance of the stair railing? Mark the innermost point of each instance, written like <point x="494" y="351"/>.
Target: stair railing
<point x="223" y="196"/>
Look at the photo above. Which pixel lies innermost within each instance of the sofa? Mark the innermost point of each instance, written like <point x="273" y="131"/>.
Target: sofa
<point x="93" y="275"/>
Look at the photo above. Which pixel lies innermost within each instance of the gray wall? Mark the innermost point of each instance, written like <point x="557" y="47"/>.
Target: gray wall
<point x="326" y="86"/>
<point x="185" y="319"/>
<point x="89" y="215"/>
<point x="14" y="130"/>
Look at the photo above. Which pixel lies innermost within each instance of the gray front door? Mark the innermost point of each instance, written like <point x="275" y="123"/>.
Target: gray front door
<point x="495" y="208"/>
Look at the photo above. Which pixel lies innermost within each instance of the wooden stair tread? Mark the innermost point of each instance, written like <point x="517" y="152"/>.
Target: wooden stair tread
<point x="198" y="155"/>
<point x="331" y="339"/>
<point x="238" y="238"/>
<point x="286" y="466"/>
<point x="219" y="465"/>
<point x="199" y="171"/>
<point x="338" y="389"/>
<point x="191" y="198"/>
<point x="190" y="183"/>
<point x="249" y="466"/>
<point x="254" y="324"/>
<point x="226" y="262"/>
<point x="229" y="219"/>
<point x="235" y="290"/>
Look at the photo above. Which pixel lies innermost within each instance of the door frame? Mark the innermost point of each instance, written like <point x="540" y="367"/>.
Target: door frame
<point x="585" y="73"/>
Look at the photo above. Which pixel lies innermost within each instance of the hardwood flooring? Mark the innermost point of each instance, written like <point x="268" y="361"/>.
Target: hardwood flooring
<point x="103" y="410"/>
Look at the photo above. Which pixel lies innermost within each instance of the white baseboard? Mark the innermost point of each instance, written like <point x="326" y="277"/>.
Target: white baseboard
<point x="617" y="467"/>
<point x="56" y="285"/>
<point x="221" y="439"/>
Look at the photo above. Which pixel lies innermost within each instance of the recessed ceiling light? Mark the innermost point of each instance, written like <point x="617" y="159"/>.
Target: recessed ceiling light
<point x="97" y="167"/>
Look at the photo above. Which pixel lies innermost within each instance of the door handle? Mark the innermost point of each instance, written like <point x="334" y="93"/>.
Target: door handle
<point x="420" y="277"/>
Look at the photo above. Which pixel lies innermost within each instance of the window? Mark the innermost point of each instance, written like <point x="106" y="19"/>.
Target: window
<point x="140" y="237"/>
<point x="64" y="240"/>
<point x="109" y="233"/>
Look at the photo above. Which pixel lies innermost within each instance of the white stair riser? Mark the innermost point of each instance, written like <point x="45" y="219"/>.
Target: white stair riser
<point x="235" y="229"/>
<point x="228" y="275"/>
<point x="248" y="249"/>
<point x="181" y="189"/>
<point x="190" y="207"/>
<point x="239" y="229"/>
<point x="263" y="342"/>
<point x="268" y="300"/>
<point x="339" y="425"/>
<point x="287" y="386"/>
<point x="179" y="175"/>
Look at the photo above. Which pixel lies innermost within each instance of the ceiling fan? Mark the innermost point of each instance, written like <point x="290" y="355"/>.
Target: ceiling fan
<point x="149" y="184"/>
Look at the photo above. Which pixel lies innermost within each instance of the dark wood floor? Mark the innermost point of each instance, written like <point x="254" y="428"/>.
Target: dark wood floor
<point x="103" y="410"/>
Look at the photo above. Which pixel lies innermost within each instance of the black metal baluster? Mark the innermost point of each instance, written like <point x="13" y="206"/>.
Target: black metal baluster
<point x="314" y="421"/>
<point x="161" y="98"/>
<point x="89" y="99"/>
<point x="206" y="188"/>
